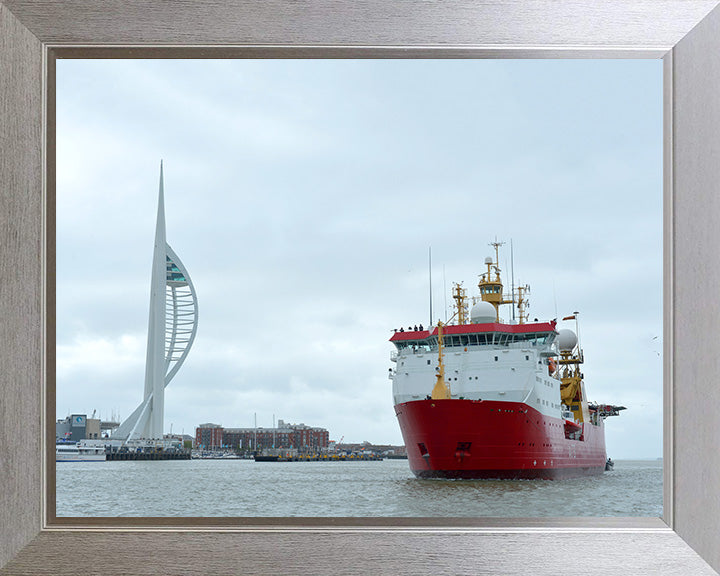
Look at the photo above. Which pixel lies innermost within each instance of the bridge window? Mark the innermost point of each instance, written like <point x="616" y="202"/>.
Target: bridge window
<point x="501" y="339"/>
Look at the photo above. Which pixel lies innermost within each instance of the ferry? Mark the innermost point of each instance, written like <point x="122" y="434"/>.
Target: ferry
<point x="79" y="452"/>
<point x="482" y="398"/>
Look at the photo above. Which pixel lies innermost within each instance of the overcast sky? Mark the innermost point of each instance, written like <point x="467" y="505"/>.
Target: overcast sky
<point x="302" y="197"/>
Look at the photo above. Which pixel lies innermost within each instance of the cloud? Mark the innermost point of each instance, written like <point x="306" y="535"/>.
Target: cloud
<point x="303" y="196"/>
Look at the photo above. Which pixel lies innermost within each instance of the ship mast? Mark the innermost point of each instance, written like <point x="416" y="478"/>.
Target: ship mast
<point x="522" y="303"/>
<point x="461" y="306"/>
<point x="491" y="287"/>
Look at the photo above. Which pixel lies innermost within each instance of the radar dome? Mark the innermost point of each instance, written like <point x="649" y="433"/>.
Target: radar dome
<point x="482" y="313"/>
<point x="488" y="260"/>
<point x="566" y="340"/>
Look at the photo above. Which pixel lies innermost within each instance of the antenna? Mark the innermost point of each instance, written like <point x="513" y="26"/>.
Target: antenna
<point x="577" y="332"/>
<point x="430" y="272"/>
<point x="445" y="294"/>
<point x="512" y="280"/>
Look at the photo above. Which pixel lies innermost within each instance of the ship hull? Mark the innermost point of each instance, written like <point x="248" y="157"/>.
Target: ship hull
<point x="457" y="438"/>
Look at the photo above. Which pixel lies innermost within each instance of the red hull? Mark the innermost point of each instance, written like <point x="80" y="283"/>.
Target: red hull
<point x="489" y="439"/>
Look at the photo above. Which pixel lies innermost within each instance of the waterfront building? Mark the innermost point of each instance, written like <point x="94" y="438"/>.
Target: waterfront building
<point x="171" y="330"/>
<point x="285" y="436"/>
<point x="77" y="427"/>
<point x="209" y="436"/>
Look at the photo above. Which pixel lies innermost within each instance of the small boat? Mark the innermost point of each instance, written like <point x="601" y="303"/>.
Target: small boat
<point x="266" y="458"/>
<point x="79" y="452"/>
<point x="571" y="426"/>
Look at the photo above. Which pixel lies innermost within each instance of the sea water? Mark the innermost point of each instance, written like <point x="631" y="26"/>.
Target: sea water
<point x="306" y="489"/>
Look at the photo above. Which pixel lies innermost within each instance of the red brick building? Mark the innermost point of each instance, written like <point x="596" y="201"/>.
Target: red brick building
<point x="286" y="436"/>
<point x="209" y="436"/>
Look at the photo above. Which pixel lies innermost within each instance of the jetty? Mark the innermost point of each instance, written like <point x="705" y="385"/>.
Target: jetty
<point x="317" y="457"/>
<point x="147" y="455"/>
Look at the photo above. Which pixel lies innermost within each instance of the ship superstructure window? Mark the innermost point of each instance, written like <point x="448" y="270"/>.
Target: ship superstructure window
<point x="414" y="345"/>
<point x="476" y="339"/>
<point x="497" y="338"/>
<point x="534" y="338"/>
<point x="504" y="339"/>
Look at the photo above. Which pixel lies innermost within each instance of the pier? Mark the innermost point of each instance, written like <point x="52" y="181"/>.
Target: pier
<point x="149" y="455"/>
<point x="318" y="458"/>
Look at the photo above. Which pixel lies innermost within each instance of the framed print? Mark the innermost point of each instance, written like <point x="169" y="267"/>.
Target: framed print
<point x="684" y="34"/>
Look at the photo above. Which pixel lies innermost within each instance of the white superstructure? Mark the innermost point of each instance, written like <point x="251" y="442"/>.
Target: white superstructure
<point x="485" y="364"/>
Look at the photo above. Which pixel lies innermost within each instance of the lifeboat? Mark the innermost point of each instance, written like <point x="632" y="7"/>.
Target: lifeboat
<point x="571" y="427"/>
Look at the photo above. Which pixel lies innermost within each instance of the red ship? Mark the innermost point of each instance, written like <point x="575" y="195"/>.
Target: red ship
<point x="481" y="398"/>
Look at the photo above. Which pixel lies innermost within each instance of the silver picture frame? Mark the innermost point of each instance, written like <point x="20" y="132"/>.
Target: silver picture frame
<point x="684" y="33"/>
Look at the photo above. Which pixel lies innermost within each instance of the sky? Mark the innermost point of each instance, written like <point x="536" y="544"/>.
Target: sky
<point x="303" y="197"/>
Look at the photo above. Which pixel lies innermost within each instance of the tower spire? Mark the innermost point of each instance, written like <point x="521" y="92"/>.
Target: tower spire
<point x="172" y="324"/>
<point x="155" y="359"/>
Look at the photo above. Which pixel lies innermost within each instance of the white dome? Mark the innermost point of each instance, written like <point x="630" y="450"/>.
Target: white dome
<point x="483" y="312"/>
<point x="566" y="339"/>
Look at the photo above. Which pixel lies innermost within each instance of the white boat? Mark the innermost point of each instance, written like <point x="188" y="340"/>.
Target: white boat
<point x="79" y="452"/>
